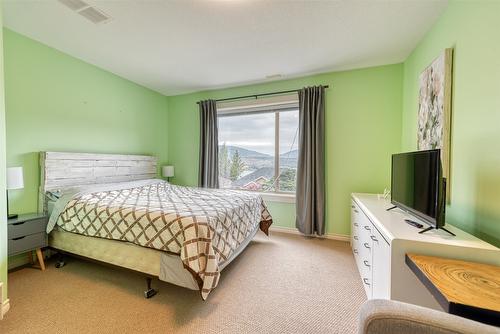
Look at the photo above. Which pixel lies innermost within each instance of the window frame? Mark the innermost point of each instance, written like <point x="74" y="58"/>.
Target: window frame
<point x="289" y="103"/>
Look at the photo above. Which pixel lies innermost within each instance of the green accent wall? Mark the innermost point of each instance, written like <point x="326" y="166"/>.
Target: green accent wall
<point x="471" y="28"/>
<point x="363" y="129"/>
<point x="55" y="102"/>
<point x="3" y="213"/>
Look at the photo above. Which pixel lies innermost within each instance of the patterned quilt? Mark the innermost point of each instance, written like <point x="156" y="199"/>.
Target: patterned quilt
<point x="203" y="226"/>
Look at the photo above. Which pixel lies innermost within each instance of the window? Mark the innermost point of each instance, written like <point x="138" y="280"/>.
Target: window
<point x="258" y="147"/>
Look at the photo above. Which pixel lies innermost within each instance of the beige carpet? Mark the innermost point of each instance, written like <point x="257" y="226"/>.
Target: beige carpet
<point x="282" y="284"/>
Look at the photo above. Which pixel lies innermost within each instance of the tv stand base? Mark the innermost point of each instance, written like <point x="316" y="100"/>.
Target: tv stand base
<point x="442" y="228"/>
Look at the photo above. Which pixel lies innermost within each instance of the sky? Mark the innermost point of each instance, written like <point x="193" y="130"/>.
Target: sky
<point x="256" y="131"/>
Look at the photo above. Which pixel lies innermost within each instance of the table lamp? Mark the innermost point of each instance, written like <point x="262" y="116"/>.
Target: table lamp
<point x="15" y="180"/>
<point x="167" y="171"/>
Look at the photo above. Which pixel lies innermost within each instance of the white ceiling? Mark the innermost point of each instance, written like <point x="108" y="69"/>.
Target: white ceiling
<point x="176" y="47"/>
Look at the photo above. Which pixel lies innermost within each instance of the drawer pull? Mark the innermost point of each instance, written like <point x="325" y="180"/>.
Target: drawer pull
<point x="355" y="237"/>
<point x="366" y="263"/>
<point x="18" y="223"/>
<point x="365" y="280"/>
<point x="356" y="211"/>
<point x="352" y="206"/>
<point x="19" y="238"/>
<point x="366" y="245"/>
<point x="355" y="251"/>
<point x="355" y="224"/>
<point x="367" y="228"/>
<point x="373" y="238"/>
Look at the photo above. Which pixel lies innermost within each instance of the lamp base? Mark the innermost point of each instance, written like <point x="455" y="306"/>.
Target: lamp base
<point x="9" y="215"/>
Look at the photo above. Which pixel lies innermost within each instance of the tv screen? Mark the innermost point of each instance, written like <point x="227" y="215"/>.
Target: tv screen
<point x="416" y="184"/>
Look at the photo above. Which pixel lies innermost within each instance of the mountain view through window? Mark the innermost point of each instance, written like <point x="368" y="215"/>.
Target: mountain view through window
<point x="259" y="151"/>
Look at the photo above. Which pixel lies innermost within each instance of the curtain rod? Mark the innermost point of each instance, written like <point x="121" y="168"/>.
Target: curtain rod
<point x="256" y="96"/>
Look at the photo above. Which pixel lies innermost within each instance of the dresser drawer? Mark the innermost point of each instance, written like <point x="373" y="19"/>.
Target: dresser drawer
<point x="355" y="212"/>
<point x="364" y="260"/>
<point x="25" y="243"/>
<point x="367" y="284"/>
<point x="22" y="228"/>
<point x="365" y="241"/>
<point x="354" y="226"/>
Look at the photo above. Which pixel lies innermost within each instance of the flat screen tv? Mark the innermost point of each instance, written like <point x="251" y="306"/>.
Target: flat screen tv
<point x="418" y="187"/>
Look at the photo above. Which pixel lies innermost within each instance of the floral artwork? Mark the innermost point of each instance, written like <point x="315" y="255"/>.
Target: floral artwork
<point x="434" y="108"/>
<point x="431" y="106"/>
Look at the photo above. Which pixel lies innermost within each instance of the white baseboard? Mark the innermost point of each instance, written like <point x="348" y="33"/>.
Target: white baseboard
<point x="5" y="308"/>
<point x="293" y="230"/>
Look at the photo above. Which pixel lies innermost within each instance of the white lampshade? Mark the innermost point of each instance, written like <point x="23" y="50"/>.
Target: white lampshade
<point x="167" y="171"/>
<point x="15" y="178"/>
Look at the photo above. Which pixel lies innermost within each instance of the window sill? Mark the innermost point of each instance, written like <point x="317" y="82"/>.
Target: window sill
<point x="277" y="197"/>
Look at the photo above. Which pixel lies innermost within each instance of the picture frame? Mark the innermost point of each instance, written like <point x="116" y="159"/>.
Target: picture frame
<point x="434" y="110"/>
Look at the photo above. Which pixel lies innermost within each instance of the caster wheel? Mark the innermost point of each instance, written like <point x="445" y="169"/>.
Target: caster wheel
<point x="150" y="293"/>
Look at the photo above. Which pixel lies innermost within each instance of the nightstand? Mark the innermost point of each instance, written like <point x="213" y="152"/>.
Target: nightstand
<point x="26" y="233"/>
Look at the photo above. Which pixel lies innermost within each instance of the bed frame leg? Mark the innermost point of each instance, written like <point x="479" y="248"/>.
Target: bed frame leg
<point x="150" y="292"/>
<point x="60" y="261"/>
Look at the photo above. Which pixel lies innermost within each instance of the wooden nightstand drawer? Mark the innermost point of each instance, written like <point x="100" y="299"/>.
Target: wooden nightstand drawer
<point x="25" y="243"/>
<point x="22" y="228"/>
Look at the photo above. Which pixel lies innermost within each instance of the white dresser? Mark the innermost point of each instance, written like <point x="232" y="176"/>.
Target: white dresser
<point x="380" y="239"/>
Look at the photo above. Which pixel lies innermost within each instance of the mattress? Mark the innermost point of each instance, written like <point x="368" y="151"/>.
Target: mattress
<point x="153" y="262"/>
<point x="203" y="228"/>
<point x="167" y="267"/>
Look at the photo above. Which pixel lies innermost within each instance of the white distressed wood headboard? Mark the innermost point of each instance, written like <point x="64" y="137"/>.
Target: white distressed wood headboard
<point x="65" y="169"/>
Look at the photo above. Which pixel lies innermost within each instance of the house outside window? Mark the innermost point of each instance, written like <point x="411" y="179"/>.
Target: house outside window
<point x="258" y="144"/>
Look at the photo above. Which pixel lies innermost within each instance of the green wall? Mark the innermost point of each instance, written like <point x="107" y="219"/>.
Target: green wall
<point x="363" y="128"/>
<point x="56" y="102"/>
<point x="472" y="29"/>
<point x="3" y="214"/>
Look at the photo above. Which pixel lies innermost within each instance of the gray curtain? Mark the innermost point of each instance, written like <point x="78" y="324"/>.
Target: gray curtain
<point x="208" y="175"/>
<point x="310" y="198"/>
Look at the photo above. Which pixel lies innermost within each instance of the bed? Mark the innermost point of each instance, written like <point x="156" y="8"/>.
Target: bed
<point x="112" y="209"/>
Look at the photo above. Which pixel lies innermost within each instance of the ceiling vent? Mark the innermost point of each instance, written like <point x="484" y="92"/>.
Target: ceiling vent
<point x="92" y="14"/>
<point x="74" y="4"/>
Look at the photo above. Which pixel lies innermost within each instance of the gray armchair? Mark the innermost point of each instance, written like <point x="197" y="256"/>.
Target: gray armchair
<point x="391" y="317"/>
